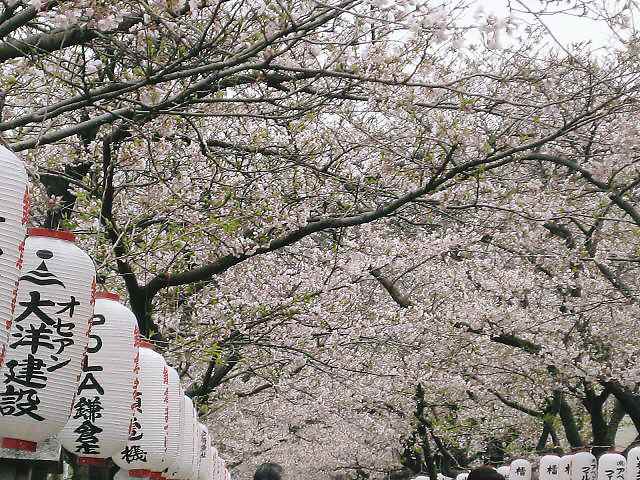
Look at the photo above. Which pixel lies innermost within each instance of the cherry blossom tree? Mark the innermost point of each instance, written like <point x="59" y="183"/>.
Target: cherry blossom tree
<point x="368" y="233"/>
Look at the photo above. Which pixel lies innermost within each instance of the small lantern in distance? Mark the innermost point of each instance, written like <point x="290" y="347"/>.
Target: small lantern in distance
<point x="549" y="467"/>
<point x="583" y="466"/>
<point x="633" y="464"/>
<point x="504" y="471"/>
<point x="612" y="466"/>
<point x="520" y="470"/>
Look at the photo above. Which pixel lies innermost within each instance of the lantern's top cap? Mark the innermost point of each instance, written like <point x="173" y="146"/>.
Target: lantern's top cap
<point x="108" y="296"/>
<point x="45" y="232"/>
<point x="146" y="344"/>
<point x="584" y="449"/>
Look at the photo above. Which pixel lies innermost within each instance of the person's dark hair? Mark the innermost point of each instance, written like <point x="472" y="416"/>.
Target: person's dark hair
<point x="485" y="472"/>
<point x="268" y="471"/>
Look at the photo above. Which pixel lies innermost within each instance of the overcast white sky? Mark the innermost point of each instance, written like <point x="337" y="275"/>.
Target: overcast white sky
<point x="565" y="28"/>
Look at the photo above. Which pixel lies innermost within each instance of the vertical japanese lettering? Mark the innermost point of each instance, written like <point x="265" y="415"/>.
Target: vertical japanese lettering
<point x="133" y="452"/>
<point x="44" y="329"/>
<point x="89" y="405"/>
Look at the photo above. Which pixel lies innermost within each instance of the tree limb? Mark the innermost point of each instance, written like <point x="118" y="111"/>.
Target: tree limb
<point x="56" y="40"/>
<point x="395" y="293"/>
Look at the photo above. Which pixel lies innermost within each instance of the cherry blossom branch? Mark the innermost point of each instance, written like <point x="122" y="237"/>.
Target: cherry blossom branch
<point x="57" y="39"/>
<point x="613" y="194"/>
<point x="402" y="300"/>
<point x="21" y="19"/>
<point x="217" y="371"/>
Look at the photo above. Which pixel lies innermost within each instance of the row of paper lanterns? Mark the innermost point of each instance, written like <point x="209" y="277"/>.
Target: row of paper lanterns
<point x="72" y="363"/>
<point x="577" y="466"/>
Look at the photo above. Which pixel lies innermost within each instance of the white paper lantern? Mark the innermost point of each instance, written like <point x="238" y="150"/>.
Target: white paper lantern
<point x="564" y="467"/>
<point x="633" y="464"/>
<point x="549" y="468"/>
<point x="221" y="467"/>
<point x="145" y="448"/>
<point x="48" y="339"/>
<point x="612" y="466"/>
<point x="504" y="471"/>
<point x="99" y="423"/>
<point x="14" y="215"/>
<point x="520" y="470"/>
<point x="174" y="421"/>
<point x="583" y="466"/>
<point x="186" y="466"/>
<point x="205" y="465"/>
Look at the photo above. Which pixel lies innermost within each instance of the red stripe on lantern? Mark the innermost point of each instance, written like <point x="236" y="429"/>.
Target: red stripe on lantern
<point x="17" y="444"/>
<point x="92" y="461"/>
<point x="139" y="473"/>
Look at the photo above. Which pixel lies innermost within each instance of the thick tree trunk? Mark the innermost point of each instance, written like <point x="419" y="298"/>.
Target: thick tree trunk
<point x="423" y="434"/>
<point x="554" y="437"/>
<point x="614" y="422"/>
<point x="568" y="421"/>
<point x="599" y="428"/>
<point x="428" y="459"/>
<point x="542" y="441"/>
<point x="629" y="400"/>
<point x="496" y="453"/>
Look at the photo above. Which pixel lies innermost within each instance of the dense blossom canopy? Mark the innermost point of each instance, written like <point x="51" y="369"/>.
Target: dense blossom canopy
<point x="364" y="231"/>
